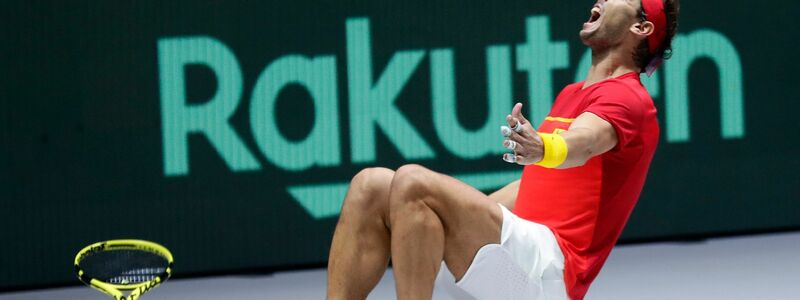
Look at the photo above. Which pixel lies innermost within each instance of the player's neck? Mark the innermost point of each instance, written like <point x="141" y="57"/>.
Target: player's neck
<point x="609" y="64"/>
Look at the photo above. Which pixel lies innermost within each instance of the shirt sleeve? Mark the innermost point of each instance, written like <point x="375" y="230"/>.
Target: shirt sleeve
<point x="622" y="108"/>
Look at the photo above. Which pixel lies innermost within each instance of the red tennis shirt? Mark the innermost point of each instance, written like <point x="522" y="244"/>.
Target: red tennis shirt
<point x="586" y="207"/>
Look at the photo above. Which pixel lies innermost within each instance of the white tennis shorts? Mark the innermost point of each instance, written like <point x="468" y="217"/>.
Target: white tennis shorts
<point x="527" y="264"/>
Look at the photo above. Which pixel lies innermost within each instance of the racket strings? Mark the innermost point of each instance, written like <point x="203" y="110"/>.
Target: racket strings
<point x="131" y="279"/>
<point x="137" y="276"/>
<point x="128" y="266"/>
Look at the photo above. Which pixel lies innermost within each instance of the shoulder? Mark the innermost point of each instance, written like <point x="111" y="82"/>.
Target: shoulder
<point x="624" y="99"/>
<point x="617" y="89"/>
<point x="571" y="88"/>
<point x="575" y="86"/>
<point x="628" y="92"/>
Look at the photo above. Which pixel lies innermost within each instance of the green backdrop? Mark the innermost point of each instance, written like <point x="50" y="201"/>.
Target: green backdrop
<point x="227" y="130"/>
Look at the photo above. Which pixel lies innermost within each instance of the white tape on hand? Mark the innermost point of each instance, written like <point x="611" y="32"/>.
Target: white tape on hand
<point x="517" y="127"/>
<point x="510" y="158"/>
<point x="505" y="131"/>
<point x="509" y="144"/>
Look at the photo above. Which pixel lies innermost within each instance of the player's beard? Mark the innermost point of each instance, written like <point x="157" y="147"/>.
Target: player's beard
<point x="608" y="33"/>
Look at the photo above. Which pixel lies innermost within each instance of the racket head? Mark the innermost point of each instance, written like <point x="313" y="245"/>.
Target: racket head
<point x="116" y="267"/>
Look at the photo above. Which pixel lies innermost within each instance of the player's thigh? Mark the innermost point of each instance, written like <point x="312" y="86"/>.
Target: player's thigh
<point x="471" y="220"/>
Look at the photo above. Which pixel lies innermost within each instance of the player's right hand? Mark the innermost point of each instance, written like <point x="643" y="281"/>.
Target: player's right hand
<point x="522" y="139"/>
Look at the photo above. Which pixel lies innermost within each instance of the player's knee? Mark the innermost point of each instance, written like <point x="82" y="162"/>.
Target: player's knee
<point x="372" y="181"/>
<point x="367" y="189"/>
<point x="411" y="178"/>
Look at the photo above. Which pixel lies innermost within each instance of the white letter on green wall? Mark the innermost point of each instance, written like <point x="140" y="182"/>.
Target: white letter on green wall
<point x="484" y="141"/>
<point x="210" y="118"/>
<point x="539" y="57"/>
<point x="372" y="105"/>
<point x="321" y="146"/>
<point x="688" y="49"/>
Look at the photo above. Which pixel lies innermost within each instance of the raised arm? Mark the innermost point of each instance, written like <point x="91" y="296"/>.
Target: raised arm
<point x="588" y="136"/>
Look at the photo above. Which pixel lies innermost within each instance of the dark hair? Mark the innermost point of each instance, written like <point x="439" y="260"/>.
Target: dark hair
<point x="642" y="54"/>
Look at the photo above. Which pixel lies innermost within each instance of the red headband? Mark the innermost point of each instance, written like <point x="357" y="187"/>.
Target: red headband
<point x="654" y="9"/>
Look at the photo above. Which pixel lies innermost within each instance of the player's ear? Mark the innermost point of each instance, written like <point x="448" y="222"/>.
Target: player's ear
<point x="643" y="29"/>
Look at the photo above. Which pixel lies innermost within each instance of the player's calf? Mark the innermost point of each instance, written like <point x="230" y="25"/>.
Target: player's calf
<point x="361" y="243"/>
<point x="417" y="238"/>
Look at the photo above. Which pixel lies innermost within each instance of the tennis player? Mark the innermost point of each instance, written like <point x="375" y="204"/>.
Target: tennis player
<point x="585" y="166"/>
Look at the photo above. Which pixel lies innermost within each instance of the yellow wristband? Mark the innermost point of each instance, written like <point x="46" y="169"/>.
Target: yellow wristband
<point x="555" y="150"/>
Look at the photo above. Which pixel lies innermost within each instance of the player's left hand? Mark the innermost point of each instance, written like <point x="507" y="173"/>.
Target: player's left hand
<point x="521" y="138"/>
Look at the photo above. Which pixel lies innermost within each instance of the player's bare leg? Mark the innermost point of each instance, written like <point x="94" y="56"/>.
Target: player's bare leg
<point x="417" y="239"/>
<point x="360" y="248"/>
<point x="435" y="217"/>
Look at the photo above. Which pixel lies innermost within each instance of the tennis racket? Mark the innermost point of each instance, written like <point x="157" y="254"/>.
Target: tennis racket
<point x="120" y="267"/>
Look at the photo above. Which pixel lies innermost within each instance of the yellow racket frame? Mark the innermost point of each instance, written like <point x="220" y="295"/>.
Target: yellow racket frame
<point x="116" y="290"/>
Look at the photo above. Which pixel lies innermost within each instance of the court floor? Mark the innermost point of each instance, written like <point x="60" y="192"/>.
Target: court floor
<point x="750" y="267"/>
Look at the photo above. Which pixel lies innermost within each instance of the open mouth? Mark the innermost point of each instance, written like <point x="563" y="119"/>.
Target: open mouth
<point x="597" y="12"/>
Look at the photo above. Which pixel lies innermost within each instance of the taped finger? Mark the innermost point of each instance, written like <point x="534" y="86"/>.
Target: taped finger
<point x="505" y="131"/>
<point x="509" y="144"/>
<point x="517" y="127"/>
<point x="510" y="158"/>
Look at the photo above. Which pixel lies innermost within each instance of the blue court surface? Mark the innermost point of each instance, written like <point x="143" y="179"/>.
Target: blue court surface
<point x="749" y="267"/>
